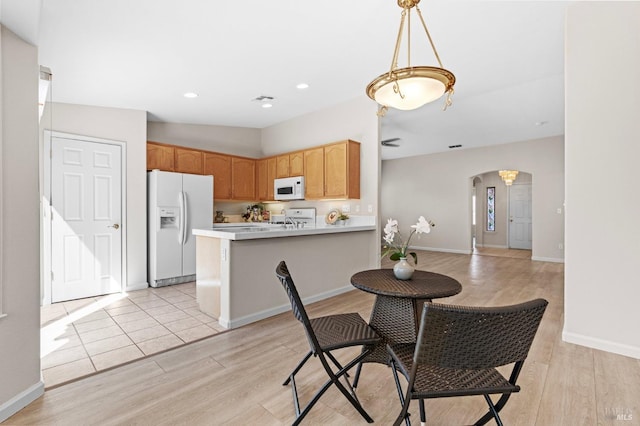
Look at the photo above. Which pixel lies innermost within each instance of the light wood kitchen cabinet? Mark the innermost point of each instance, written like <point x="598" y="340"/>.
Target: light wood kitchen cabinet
<point x="314" y="173"/>
<point x="296" y="163"/>
<point x="219" y="166"/>
<point x="271" y="176"/>
<point x="342" y="170"/>
<point x="188" y="161"/>
<point x="261" y="179"/>
<point x="265" y="175"/>
<point x="282" y="166"/>
<point x="243" y="178"/>
<point x="160" y="157"/>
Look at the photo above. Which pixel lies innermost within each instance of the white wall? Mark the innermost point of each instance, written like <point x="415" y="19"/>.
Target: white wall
<point x="20" y="226"/>
<point x="439" y="187"/>
<point x="128" y="126"/>
<point x="228" y="140"/>
<point x="602" y="65"/>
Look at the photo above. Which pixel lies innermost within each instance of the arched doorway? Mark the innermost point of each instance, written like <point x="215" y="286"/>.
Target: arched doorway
<point x="501" y="214"/>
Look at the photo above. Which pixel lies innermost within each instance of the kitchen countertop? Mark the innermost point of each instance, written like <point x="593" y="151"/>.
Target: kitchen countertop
<point x="252" y="231"/>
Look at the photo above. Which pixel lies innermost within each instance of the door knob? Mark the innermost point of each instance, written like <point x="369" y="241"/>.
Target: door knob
<point x="114" y="226"/>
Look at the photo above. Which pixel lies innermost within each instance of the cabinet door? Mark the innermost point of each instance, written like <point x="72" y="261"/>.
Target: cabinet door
<point x="261" y="180"/>
<point x="243" y="178"/>
<point x="160" y="157"/>
<point x="314" y="173"/>
<point x="282" y="166"/>
<point x="335" y="171"/>
<point x="219" y="166"/>
<point x="342" y="170"/>
<point x="296" y="164"/>
<point x="188" y="161"/>
<point x="271" y="176"/>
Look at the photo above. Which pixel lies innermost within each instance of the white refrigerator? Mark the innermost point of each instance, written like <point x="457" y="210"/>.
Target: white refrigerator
<point x="177" y="203"/>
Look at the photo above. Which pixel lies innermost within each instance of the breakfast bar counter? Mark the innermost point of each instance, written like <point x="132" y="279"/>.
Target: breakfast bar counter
<point x="235" y="266"/>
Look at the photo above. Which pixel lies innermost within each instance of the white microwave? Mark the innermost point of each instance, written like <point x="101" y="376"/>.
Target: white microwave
<point x="291" y="188"/>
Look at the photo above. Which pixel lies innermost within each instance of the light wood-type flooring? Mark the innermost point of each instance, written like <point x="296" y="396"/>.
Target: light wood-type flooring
<point x="235" y="378"/>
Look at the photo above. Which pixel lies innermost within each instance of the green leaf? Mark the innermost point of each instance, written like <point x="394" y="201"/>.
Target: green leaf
<point x="395" y="256"/>
<point x="415" y="256"/>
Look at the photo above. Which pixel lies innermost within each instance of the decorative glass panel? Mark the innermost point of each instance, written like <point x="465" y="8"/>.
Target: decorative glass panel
<point x="491" y="208"/>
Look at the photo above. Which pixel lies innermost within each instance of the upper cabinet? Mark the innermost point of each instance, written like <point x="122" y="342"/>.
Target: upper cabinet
<point x="282" y="166"/>
<point x="219" y="166"/>
<point x="342" y="170"/>
<point x="331" y="171"/>
<point x="265" y="175"/>
<point x="188" y="161"/>
<point x="296" y="163"/>
<point x="314" y="173"/>
<point x="160" y="157"/>
<point x="243" y="178"/>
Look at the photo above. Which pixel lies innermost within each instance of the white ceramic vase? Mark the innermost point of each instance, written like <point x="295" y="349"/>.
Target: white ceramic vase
<point x="403" y="269"/>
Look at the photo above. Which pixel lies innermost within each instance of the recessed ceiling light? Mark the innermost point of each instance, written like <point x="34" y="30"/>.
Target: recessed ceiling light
<point x="267" y="105"/>
<point x="302" y="86"/>
<point x="190" y="95"/>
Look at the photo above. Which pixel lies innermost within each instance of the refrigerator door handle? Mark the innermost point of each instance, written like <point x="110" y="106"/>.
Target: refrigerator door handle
<point x="185" y="227"/>
<point x="182" y="218"/>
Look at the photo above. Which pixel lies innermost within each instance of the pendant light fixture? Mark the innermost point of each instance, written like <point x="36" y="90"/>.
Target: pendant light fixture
<point x="412" y="86"/>
<point x="508" y="176"/>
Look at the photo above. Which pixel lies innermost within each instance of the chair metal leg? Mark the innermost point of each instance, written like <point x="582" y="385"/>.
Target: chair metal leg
<point x="298" y="367"/>
<point x="423" y="415"/>
<point x="334" y="379"/>
<point x="404" y="402"/>
<point x="356" y="378"/>
<point x="492" y="410"/>
<point x="504" y="398"/>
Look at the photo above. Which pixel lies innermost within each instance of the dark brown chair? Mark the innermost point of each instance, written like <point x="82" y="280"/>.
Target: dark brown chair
<point x="326" y="334"/>
<point x="458" y="350"/>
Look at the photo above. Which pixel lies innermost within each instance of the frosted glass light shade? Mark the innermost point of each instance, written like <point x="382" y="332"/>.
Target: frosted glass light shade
<point x="410" y="88"/>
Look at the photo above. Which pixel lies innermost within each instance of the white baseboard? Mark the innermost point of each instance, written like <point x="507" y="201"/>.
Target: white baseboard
<point x="548" y="259"/>
<point x="238" y="322"/>
<point x="137" y="286"/>
<point x="498" y="246"/>
<point x="21" y="400"/>
<point x="603" y="345"/>
<point x="443" y="250"/>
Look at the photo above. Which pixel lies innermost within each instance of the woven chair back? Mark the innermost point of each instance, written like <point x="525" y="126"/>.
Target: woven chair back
<point x="282" y="272"/>
<point x="477" y="338"/>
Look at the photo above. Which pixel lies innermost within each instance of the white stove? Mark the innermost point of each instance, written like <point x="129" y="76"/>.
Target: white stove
<point x="305" y="216"/>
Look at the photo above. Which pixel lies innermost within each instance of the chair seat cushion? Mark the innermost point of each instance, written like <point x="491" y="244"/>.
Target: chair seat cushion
<point x="435" y="381"/>
<point x="343" y="330"/>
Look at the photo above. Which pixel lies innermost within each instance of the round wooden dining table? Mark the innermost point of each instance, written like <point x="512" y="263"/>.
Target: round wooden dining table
<point x="398" y="305"/>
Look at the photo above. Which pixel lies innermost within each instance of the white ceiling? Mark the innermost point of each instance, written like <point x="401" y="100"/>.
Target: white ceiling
<point x="144" y="54"/>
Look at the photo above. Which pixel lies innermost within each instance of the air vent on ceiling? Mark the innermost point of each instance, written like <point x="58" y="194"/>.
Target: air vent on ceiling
<point x="455" y="146"/>
<point x="263" y="98"/>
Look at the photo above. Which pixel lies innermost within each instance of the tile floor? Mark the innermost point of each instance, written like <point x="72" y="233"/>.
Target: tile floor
<point x="84" y="336"/>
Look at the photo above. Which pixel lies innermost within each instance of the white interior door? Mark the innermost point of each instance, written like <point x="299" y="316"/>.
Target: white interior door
<point x="86" y="212"/>
<point x="520" y="217"/>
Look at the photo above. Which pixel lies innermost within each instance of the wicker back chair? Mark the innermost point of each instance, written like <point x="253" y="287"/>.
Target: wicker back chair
<point x="326" y="334"/>
<point x="458" y="350"/>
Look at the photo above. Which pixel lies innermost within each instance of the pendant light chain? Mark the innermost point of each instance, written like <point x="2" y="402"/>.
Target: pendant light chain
<point x="433" y="46"/>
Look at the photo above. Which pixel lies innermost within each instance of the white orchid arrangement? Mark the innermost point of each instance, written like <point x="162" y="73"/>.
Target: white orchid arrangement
<point x="395" y="246"/>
